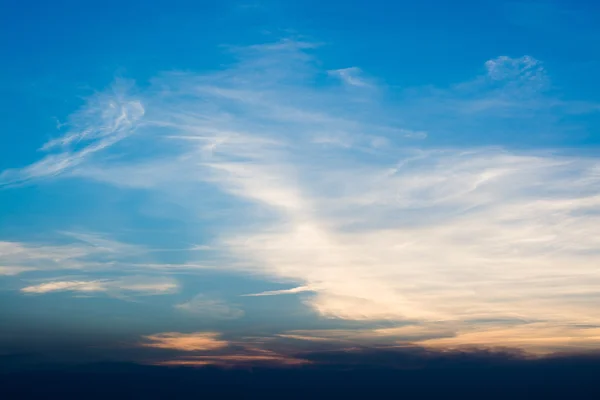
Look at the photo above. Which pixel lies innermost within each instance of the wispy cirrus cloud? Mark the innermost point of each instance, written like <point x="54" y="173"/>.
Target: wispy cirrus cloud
<point x="60" y="286"/>
<point x="106" y="119"/>
<point x="331" y="194"/>
<point x="526" y="71"/>
<point x="8" y="270"/>
<point x="129" y="285"/>
<point x="84" y="250"/>
<point x="299" y="289"/>
<point x="208" y="348"/>
<point x="350" y="76"/>
<point x="204" y="306"/>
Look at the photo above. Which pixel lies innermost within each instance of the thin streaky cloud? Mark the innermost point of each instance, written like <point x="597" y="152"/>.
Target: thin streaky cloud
<point x="378" y="229"/>
<point x="130" y="285"/>
<point x="198" y="341"/>
<point x="235" y="360"/>
<point x="206" y="307"/>
<point x="8" y="270"/>
<point x="106" y="119"/>
<point x="350" y="76"/>
<point x="84" y="250"/>
<point x="60" y="286"/>
<point x="299" y="289"/>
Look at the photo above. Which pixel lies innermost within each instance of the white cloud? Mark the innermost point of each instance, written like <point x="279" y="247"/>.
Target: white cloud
<point x="299" y="289"/>
<point x="540" y="338"/>
<point x="206" y="307"/>
<point x="414" y="134"/>
<point x="350" y="76"/>
<point x="106" y="119"/>
<point x="526" y="69"/>
<point x="8" y="270"/>
<point x="452" y="235"/>
<point x="376" y="231"/>
<point x="84" y="251"/>
<point x="60" y="286"/>
<point x="129" y="285"/>
<point x="208" y="348"/>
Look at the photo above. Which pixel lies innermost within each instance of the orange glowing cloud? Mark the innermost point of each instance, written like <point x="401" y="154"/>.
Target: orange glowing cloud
<point x="198" y="341"/>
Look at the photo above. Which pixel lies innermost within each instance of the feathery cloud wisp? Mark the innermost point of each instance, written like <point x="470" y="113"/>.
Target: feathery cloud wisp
<point x="131" y="285"/>
<point x="211" y="308"/>
<point x="199" y="341"/>
<point x="299" y="289"/>
<point x="350" y="76"/>
<point x="380" y="230"/>
<point x="84" y="251"/>
<point x="106" y="119"/>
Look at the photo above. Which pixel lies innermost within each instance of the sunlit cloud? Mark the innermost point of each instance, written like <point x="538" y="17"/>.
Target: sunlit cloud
<point x="83" y="251"/>
<point x="131" y="285"/>
<point x="538" y="338"/>
<point x="199" y="341"/>
<point x="299" y="289"/>
<point x="207" y="348"/>
<point x="375" y="336"/>
<point x="59" y="286"/>
<point x="332" y="195"/>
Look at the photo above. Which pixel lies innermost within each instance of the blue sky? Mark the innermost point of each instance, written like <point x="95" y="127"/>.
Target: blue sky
<point x="208" y="177"/>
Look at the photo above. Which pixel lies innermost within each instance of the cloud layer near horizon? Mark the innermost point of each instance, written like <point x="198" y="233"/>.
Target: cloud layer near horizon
<point x="327" y="187"/>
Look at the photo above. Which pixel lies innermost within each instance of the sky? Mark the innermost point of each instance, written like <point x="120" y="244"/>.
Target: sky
<point x="242" y="182"/>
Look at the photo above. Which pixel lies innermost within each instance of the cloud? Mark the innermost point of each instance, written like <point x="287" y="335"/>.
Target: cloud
<point x="445" y="235"/>
<point x="206" y="307"/>
<point x="60" y="286"/>
<point x="350" y="76"/>
<point x="347" y="348"/>
<point x="199" y="341"/>
<point x="404" y="334"/>
<point x="106" y="119"/>
<point x="539" y="338"/>
<point x="298" y="289"/>
<point x="413" y="134"/>
<point x="234" y="360"/>
<point x="512" y="101"/>
<point x="7" y="270"/>
<point x="207" y="348"/>
<point x="84" y="250"/>
<point x="524" y="69"/>
<point x="449" y="235"/>
<point x="129" y="285"/>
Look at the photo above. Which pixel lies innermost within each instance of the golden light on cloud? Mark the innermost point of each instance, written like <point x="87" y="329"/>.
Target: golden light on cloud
<point x="77" y="286"/>
<point x="217" y="351"/>
<point x="131" y="285"/>
<point x="443" y="238"/>
<point x="533" y="338"/>
<point x="536" y="338"/>
<point x="199" y="341"/>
